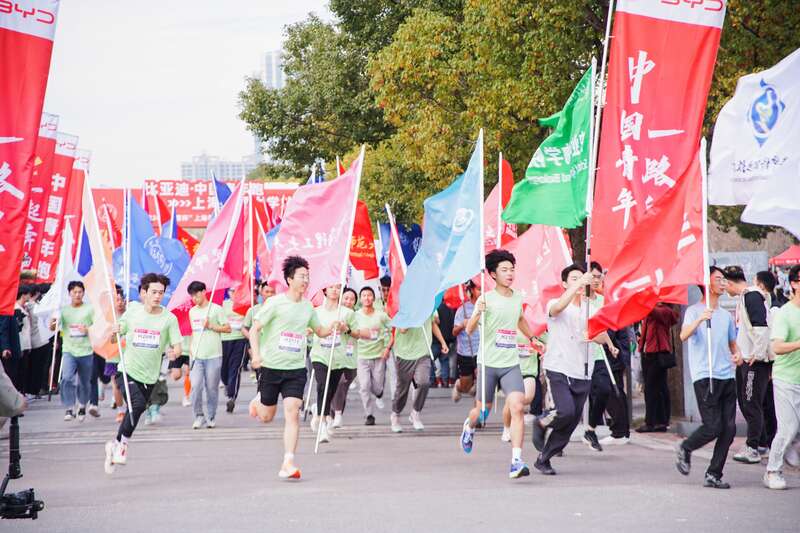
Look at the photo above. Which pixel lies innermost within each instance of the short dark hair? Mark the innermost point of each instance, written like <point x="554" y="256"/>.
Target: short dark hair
<point x="767" y="279"/>
<point x="195" y="287"/>
<point x="594" y="265"/>
<point x="43" y="287"/>
<point x="715" y="268"/>
<point x="72" y="284"/>
<point x="23" y="290"/>
<point x="367" y="288"/>
<point x="386" y="281"/>
<point x="570" y="268"/>
<point x="350" y="289"/>
<point x="734" y="273"/>
<point x="794" y="274"/>
<point x="495" y="257"/>
<point x="119" y="290"/>
<point x="291" y="264"/>
<point x="152" y="277"/>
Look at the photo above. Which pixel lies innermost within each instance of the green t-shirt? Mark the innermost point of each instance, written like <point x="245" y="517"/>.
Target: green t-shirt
<point x="786" y="328"/>
<point x="283" y="332"/>
<point x="321" y="347"/>
<point x="248" y="317"/>
<point x="210" y="346"/>
<point x="501" y="321"/>
<point x="415" y="343"/>
<point x="75" y="341"/>
<point x="348" y="360"/>
<point x="594" y="306"/>
<point x="186" y="345"/>
<point x="146" y="338"/>
<point x="528" y="358"/>
<point x="378" y="325"/>
<point x="234" y="320"/>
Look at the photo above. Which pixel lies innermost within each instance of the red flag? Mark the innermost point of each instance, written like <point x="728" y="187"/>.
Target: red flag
<point x="341" y="168"/>
<point x="73" y="211"/>
<point x="158" y="211"/>
<point x="454" y="297"/>
<point x="660" y="256"/>
<point x="362" y="245"/>
<point x="40" y="185"/>
<point x="492" y="210"/>
<point x="660" y="69"/>
<point x="397" y="270"/>
<point x="188" y="241"/>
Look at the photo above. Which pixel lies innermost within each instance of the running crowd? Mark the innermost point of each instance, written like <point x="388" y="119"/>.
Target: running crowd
<point x="546" y="380"/>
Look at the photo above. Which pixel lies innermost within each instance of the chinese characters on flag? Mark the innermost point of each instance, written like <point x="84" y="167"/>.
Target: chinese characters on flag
<point x="40" y="185"/>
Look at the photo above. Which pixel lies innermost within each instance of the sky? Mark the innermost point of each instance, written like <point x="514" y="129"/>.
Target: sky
<point x="149" y="84"/>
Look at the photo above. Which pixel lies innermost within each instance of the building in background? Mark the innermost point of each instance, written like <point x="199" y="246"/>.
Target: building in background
<point x="201" y="167"/>
<point x="273" y="70"/>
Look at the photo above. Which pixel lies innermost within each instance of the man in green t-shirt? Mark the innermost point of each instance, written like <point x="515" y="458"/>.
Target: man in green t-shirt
<point x="265" y="291"/>
<point x="373" y="346"/>
<point x="347" y="364"/>
<point x="278" y="346"/>
<point x="208" y="321"/>
<point x="785" y="336"/>
<point x="76" y="349"/>
<point x="234" y="346"/>
<point x="149" y="331"/>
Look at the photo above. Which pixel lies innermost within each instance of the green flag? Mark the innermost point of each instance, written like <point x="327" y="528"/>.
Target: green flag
<point x="554" y="189"/>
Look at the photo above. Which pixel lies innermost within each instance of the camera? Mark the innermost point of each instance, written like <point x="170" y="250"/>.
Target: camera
<point x="21" y="504"/>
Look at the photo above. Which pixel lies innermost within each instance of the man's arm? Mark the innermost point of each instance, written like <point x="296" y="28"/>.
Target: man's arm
<point x="437" y="332"/>
<point x="480" y="307"/>
<point x="688" y="329"/>
<point x="782" y="347"/>
<point x="569" y="295"/>
<point x="255" y="354"/>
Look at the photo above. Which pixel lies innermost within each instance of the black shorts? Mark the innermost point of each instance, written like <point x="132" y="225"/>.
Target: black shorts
<point x="287" y="383"/>
<point x="466" y="365"/>
<point x="179" y="362"/>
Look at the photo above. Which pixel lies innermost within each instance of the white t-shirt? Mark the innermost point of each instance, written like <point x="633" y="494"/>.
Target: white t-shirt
<point x="566" y="351"/>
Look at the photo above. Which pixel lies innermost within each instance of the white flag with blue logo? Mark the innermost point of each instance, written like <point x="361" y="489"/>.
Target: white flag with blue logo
<point x="755" y="160"/>
<point x="451" y="251"/>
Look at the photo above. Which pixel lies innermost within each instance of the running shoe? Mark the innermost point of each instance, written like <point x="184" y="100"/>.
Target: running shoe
<point x="590" y="439"/>
<point x="186" y="402"/>
<point x="713" y="482"/>
<point x="416" y="420"/>
<point x="68" y="416"/>
<point x="314" y="422"/>
<point x="395" y="423"/>
<point x="324" y="436"/>
<point x="518" y="469"/>
<point x="81" y="414"/>
<point x="774" y="480"/>
<point x="289" y="474"/>
<point x="198" y="422"/>
<point x="379" y="403"/>
<point x="506" y="436"/>
<point x="614" y="441"/>
<point x="337" y="420"/>
<point x="212" y="423"/>
<point x="540" y="424"/>
<point x="544" y="467"/>
<point x="467" y="436"/>
<point x="230" y="405"/>
<point x="94" y="411"/>
<point x="370" y="421"/>
<point x="108" y="464"/>
<point x="683" y="459"/>
<point x="747" y="455"/>
<point x="120" y="453"/>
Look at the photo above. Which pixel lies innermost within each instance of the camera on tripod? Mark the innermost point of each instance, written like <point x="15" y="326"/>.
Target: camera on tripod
<point x="21" y="504"/>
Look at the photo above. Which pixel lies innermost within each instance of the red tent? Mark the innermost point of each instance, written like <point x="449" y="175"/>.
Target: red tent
<point x="789" y="257"/>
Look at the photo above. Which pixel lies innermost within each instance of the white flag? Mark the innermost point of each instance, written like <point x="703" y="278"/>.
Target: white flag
<point x="755" y="159"/>
<point x="57" y="297"/>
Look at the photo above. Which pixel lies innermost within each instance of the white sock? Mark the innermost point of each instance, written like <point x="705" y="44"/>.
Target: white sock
<point x="516" y="454"/>
<point x="288" y="457"/>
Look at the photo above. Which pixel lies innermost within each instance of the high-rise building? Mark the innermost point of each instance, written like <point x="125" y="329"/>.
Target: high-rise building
<point x="201" y="167"/>
<point x="273" y="70"/>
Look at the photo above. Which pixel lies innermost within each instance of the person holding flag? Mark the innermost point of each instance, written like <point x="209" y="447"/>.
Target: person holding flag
<point x="466" y="344"/>
<point x="346" y="363"/>
<point x="149" y="331"/>
<point x="234" y="346"/>
<point x="371" y="331"/>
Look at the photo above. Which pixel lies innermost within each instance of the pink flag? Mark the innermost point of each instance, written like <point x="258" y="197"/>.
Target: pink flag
<point x="491" y="211"/>
<point x="317" y="225"/>
<point x="206" y="261"/>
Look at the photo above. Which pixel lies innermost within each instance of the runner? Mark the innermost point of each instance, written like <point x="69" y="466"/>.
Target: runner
<point x="503" y="317"/>
<point x="149" y="330"/>
<point x="466" y="345"/>
<point x="278" y="344"/>
<point x="347" y="364"/>
<point x="76" y="359"/>
<point x="208" y="321"/>
<point x="265" y="292"/>
<point x="600" y="387"/>
<point x="328" y="313"/>
<point x="529" y="366"/>
<point x="786" y="385"/>
<point x="373" y="351"/>
<point x="234" y="346"/>
<point x="413" y="364"/>
<point x="566" y="367"/>
<point x="717" y="407"/>
<point x="110" y="369"/>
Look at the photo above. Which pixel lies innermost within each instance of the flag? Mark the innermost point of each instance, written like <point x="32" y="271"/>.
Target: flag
<point x="410" y="239"/>
<point x="26" y="45"/>
<point x="84" y="259"/>
<point x="222" y="191"/>
<point x="316" y="177"/>
<point x="40" y="185"/>
<point x="493" y="206"/>
<point x="57" y="296"/>
<point x="205" y="263"/>
<point x="73" y="210"/>
<point x="149" y="253"/>
<point x="452" y="244"/>
<point x="157" y="210"/>
<point x="340" y="167"/>
<point x="362" y="245"/>
<point x="660" y="69"/>
<point x="661" y="254"/>
<point x="317" y="226"/>
<point x="754" y="156"/>
<point x="397" y="270"/>
<point x="172" y="230"/>
<point x="554" y="189"/>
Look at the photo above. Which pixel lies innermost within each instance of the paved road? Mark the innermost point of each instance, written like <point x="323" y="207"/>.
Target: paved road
<point x="368" y="479"/>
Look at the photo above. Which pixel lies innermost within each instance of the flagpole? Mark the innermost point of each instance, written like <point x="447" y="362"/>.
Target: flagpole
<point x="253" y="243"/>
<point x="59" y="276"/>
<point x="111" y="293"/>
<point x="76" y="259"/>
<point x="484" y="412"/>
<point x="127" y="247"/>
<point x="706" y="259"/>
<point x="499" y="202"/>
<point x="158" y="213"/>
<point x="345" y="259"/>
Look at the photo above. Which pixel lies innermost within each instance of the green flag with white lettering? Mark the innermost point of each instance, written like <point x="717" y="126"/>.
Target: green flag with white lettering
<point x="554" y="189"/>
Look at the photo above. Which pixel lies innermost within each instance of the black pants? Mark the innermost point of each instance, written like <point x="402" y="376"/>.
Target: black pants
<point x="770" y="420"/>
<point x="232" y="361"/>
<point x="751" y="388"/>
<point x="718" y="413"/>
<point x="538" y="398"/>
<point x="137" y="403"/>
<point x="569" y="397"/>
<point x="656" y="392"/>
<point x="320" y="375"/>
<point x="98" y="374"/>
<point x="38" y="360"/>
<point x="602" y="399"/>
<point x="13" y="369"/>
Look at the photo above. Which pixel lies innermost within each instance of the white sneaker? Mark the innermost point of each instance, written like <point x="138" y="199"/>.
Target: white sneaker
<point x="324" y="436"/>
<point x="314" y="423"/>
<point x="108" y="464"/>
<point x="211" y="424"/>
<point x="416" y="420"/>
<point x="774" y="480"/>
<point x="747" y="455"/>
<point x="506" y="436"/>
<point x="198" y="422"/>
<point x="605" y="441"/>
<point x="528" y="419"/>
<point x="156" y="417"/>
<point x="94" y="411"/>
<point x="395" y="422"/>
<point x="120" y="454"/>
<point x="186" y="402"/>
<point x="456" y="394"/>
<point x="379" y="403"/>
<point x="337" y="420"/>
<point x="68" y="416"/>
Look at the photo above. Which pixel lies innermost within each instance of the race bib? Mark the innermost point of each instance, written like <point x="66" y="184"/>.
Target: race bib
<point x="328" y="342"/>
<point x="197" y="324"/>
<point x="525" y="350"/>
<point x="374" y="333"/>
<point x="505" y="338"/>
<point x="75" y="331"/>
<point x="290" y="342"/>
<point x="349" y="349"/>
<point x="146" y="338"/>
<point x="235" y="323"/>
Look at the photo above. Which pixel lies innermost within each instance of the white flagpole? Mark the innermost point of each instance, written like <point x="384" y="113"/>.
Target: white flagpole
<point x="76" y="259"/>
<point x="484" y="412"/>
<point x="253" y="244"/>
<point x="157" y="209"/>
<point x="59" y="276"/>
<point x="498" y="244"/>
<point x="127" y="247"/>
<point x="343" y="275"/>
<point x="706" y="259"/>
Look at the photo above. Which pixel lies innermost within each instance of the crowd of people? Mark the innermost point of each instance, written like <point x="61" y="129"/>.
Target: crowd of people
<point x="749" y="358"/>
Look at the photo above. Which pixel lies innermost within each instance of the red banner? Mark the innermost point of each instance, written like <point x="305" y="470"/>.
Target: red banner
<point x="40" y="184"/>
<point x="110" y="204"/>
<point x="193" y="198"/>
<point x="74" y="209"/>
<point x="661" y="64"/>
<point x="26" y="45"/>
<point x="362" y="245"/>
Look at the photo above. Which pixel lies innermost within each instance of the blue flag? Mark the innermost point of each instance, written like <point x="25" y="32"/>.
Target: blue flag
<point x="410" y="238"/>
<point x="451" y="251"/>
<point x="222" y="190"/>
<point x="170" y="229"/>
<point x="84" y="254"/>
<point x="150" y="253"/>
